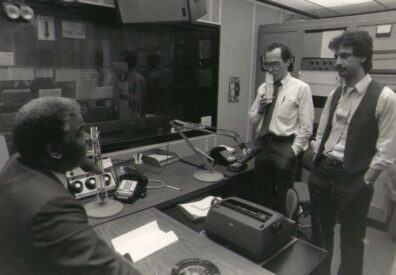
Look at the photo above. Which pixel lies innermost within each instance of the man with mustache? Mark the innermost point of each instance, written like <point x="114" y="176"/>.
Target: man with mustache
<point x="354" y="143"/>
<point x="44" y="229"/>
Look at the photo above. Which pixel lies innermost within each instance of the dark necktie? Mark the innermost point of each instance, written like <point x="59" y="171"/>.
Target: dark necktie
<point x="270" y="109"/>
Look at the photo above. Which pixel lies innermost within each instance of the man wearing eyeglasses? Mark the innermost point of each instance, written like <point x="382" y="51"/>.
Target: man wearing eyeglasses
<point x="283" y="115"/>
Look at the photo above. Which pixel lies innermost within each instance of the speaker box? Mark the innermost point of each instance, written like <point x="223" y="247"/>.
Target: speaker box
<point x="83" y="185"/>
<point x="150" y="11"/>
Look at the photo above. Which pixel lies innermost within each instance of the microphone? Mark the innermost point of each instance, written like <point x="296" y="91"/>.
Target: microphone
<point x="251" y="154"/>
<point x="241" y="163"/>
<point x="89" y="166"/>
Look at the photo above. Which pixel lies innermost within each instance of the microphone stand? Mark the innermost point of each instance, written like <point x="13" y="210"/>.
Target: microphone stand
<point x="102" y="207"/>
<point x="208" y="174"/>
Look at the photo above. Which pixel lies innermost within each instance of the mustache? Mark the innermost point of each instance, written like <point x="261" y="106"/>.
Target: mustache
<point x="339" y="68"/>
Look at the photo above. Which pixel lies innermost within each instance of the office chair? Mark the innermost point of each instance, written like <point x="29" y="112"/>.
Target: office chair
<point x="295" y="210"/>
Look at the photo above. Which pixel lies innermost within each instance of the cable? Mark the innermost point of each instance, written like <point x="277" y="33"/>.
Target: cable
<point x="162" y="184"/>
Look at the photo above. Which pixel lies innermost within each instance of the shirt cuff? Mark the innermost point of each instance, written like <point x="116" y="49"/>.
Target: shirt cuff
<point x="371" y="175"/>
<point x="296" y="149"/>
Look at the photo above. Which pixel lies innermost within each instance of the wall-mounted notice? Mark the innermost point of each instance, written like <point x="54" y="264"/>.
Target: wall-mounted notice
<point x="50" y="92"/>
<point x="206" y="120"/>
<point x="45" y="28"/>
<point x="7" y="59"/>
<point x="44" y="73"/>
<point x="86" y="84"/>
<point x="234" y="88"/>
<point x="73" y="30"/>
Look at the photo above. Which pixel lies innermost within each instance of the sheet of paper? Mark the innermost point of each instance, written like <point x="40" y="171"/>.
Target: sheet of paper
<point x="86" y="84"/>
<point x="44" y="73"/>
<point x="143" y="241"/>
<point x="66" y="75"/>
<point x="21" y="73"/>
<point x="199" y="208"/>
<point x="7" y="59"/>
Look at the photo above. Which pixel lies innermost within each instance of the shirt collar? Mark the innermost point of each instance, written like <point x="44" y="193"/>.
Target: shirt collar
<point x="61" y="177"/>
<point x="285" y="79"/>
<point x="362" y="85"/>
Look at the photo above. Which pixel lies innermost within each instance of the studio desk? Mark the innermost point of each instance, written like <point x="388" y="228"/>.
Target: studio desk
<point x="297" y="259"/>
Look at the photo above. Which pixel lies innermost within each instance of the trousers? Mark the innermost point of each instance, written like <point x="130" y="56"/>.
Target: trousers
<point x="274" y="173"/>
<point x="337" y="195"/>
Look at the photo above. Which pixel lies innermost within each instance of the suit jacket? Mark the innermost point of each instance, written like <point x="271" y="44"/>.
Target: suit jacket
<point x="44" y="229"/>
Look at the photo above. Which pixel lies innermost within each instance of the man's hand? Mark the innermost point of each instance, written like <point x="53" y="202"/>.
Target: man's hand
<point x="371" y="175"/>
<point x="264" y="102"/>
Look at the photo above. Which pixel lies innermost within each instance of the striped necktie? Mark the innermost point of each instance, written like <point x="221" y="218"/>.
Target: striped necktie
<point x="269" y="111"/>
<point x="341" y="118"/>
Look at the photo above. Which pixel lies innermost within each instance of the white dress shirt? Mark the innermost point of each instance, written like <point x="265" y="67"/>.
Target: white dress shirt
<point x="293" y="113"/>
<point x="385" y="114"/>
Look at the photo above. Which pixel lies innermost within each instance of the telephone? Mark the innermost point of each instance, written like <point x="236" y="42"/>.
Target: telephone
<point x="222" y="156"/>
<point x="132" y="186"/>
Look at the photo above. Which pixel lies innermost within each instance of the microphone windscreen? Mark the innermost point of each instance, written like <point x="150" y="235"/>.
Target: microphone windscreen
<point x="251" y="154"/>
<point x="89" y="166"/>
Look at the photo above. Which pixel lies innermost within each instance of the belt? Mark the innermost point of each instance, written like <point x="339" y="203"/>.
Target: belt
<point x="333" y="162"/>
<point x="275" y="138"/>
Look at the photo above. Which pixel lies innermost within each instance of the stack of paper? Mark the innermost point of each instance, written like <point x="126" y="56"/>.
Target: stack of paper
<point x="159" y="159"/>
<point x="143" y="241"/>
<point x="197" y="209"/>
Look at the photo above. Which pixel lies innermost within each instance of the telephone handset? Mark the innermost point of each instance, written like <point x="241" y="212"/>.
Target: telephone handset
<point x="132" y="186"/>
<point x="222" y="156"/>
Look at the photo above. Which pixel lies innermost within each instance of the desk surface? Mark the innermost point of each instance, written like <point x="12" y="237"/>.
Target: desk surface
<point x="189" y="245"/>
<point x="177" y="174"/>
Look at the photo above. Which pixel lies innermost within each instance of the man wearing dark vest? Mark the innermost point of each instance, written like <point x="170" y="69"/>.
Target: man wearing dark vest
<point x="283" y="117"/>
<point x="354" y="143"/>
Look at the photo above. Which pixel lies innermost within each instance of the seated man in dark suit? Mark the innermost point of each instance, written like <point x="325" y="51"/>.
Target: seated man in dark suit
<point x="44" y="229"/>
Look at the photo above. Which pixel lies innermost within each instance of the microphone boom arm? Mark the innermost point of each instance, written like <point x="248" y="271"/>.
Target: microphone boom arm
<point x="209" y="161"/>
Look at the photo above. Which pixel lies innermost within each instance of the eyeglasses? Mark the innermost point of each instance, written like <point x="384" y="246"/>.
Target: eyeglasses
<point x="274" y="65"/>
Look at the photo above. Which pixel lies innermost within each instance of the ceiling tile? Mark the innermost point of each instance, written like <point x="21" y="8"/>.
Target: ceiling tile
<point x="359" y="8"/>
<point x="388" y="3"/>
<point x="323" y="13"/>
<point x="309" y="7"/>
<point x="299" y="4"/>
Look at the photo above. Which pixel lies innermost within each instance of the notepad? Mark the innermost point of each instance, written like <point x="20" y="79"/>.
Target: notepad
<point x="143" y="241"/>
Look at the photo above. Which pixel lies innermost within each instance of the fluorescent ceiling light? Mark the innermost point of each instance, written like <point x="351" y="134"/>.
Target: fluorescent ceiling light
<point x="338" y="3"/>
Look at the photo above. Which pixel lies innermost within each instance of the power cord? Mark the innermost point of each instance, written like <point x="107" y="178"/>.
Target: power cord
<point x="161" y="184"/>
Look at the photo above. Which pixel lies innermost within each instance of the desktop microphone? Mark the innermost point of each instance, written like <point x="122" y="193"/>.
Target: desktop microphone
<point x="241" y="163"/>
<point x="89" y="166"/>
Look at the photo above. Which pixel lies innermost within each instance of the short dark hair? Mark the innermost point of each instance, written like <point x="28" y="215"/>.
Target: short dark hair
<point x="131" y="59"/>
<point x="40" y="122"/>
<point x="361" y="43"/>
<point x="286" y="52"/>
